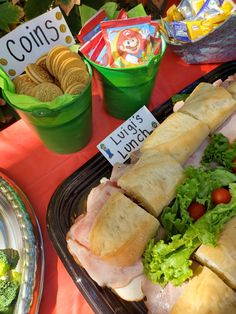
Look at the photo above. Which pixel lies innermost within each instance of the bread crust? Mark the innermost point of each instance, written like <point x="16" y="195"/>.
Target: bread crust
<point x="222" y="258"/>
<point x="121" y="231"/>
<point x="205" y="293"/>
<point x="209" y="104"/>
<point x="152" y="181"/>
<point x="179" y="135"/>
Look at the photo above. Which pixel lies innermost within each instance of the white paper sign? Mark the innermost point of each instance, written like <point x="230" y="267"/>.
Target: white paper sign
<point x="30" y="40"/>
<point x="128" y="137"/>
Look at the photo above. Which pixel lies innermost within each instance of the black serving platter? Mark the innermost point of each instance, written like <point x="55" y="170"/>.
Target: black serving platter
<point x="69" y="199"/>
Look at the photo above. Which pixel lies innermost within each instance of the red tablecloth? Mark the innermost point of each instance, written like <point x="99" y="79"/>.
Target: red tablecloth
<point x="38" y="172"/>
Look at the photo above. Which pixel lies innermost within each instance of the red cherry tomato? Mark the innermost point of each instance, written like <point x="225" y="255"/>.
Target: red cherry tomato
<point x="234" y="168"/>
<point x="196" y="210"/>
<point x="220" y="196"/>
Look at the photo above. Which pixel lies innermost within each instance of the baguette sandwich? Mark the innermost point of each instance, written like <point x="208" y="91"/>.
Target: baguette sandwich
<point x="204" y="294"/>
<point x="175" y="136"/>
<point x="209" y="104"/>
<point x="123" y="214"/>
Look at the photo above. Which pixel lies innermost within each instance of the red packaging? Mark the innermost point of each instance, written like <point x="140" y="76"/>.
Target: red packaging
<point x="92" y="26"/>
<point x="154" y="28"/>
<point x="88" y="48"/>
<point x="128" y="41"/>
<point x="156" y="45"/>
<point x="122" y="15"/>
<point x="99" y="54"/>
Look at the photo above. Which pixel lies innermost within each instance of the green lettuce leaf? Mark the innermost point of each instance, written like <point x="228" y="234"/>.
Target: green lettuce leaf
<point x="219" y="151"/>
<point x="198" y="186"/>
<point x="170" y="262"/>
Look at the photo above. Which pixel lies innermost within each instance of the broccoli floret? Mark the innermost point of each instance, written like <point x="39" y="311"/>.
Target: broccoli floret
<point x="15" y="276"/>
<point x="9" y="280"/>
<point x="12" y="257"/>
<point x="4" y="264"/>
<point x="8" y="293"/>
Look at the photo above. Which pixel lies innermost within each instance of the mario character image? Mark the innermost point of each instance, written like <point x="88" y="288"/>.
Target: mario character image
<point x="132" y="44"/>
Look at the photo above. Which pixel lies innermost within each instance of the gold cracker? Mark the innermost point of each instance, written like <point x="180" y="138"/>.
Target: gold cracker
<point x="70" y="63"/>
<point x="47" y="91"/>
<point x="38" y="74"/>
<point x="41" y="61"/>
<point x="52" y="54"/>
<point x="75" y="88"/>
<point x="74" y="75"/>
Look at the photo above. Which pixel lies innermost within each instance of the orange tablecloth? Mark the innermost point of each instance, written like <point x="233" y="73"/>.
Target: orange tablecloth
<point x="38" y="172"/>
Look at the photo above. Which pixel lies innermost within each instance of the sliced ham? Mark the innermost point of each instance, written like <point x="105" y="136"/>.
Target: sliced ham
<point x="79" y="231"/>
<point x="133" y="291"/>
<point x="103" y="273"/>
<point x="118" y="170"/>
<point x="160" y="300"/>
<point x="228" y="128"/>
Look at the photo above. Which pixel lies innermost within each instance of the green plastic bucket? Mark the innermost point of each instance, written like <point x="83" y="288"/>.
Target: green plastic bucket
<point x="64" y="125"/>
<point x="126" y="90"/>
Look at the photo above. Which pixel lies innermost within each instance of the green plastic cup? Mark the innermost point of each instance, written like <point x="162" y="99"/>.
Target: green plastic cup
<point x="126" y="90"/>
<point x="66" y="130"/>
<point x="66" y="126"/>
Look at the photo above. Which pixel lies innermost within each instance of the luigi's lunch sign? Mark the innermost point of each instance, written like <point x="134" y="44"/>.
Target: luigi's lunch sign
<point x="32" y="39"/>
<point x="127" y="138"/>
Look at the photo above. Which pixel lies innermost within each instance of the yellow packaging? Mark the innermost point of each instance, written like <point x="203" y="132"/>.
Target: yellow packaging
<point x="196" y="5"/>
<point x="216" y="20"/>
<point x="196" y="29"/>
<point x="227" y="6"/>
<point x="173" y="14"/>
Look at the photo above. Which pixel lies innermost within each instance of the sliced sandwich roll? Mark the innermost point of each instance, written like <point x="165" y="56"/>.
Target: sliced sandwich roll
<point x="222" y="258"/>
<point x="205" y="293"/>
<point x="152" y="181"/>
<point x="209" y="104"/>
<point x="179" y="136"/>
<point x="232" y="89"/>
<point x="121" y="231"/>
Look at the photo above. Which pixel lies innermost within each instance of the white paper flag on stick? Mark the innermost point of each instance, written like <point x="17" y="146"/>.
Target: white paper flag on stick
<point x="32" y="39"/>
<point x="128" y="137"/>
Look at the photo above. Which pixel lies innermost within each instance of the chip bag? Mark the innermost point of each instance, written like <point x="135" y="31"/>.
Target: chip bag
<point x="92" y="26"/>
<point x="128" y="41"/>
<point x="99" y="54"/>
<point x="88" y="48"/>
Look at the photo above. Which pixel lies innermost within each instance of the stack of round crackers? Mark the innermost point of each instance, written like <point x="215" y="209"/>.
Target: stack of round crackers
<point x="59" y="72"/>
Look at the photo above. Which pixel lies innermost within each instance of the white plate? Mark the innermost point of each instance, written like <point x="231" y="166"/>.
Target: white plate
<point x="19" y="229"/>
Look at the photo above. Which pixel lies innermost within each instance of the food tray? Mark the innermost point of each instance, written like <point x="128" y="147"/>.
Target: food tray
<point x="69" y="200"/>
<point x="19" y="229"/>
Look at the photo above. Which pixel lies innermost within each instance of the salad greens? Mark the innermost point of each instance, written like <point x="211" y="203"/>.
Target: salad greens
<point x="179" y="97"/>
<point x="170" y="262"/>
<point x="198" y="186"/>
<point x="220" y="152"/>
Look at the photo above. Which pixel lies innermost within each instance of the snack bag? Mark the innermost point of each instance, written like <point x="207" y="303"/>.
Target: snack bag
<point x="156" y="45"/>
<point x="128" y="41"/>
<point x="92" y="26"/>
<point x="122" y="15"/>
<point x="99" y="54"/>
<point x="154" y="28"/>
<point x="88" y="48"/>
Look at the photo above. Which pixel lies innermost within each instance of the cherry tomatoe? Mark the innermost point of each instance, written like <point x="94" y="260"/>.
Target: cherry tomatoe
<point x="196" y="210"/>
<point x="220" y="196"/>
